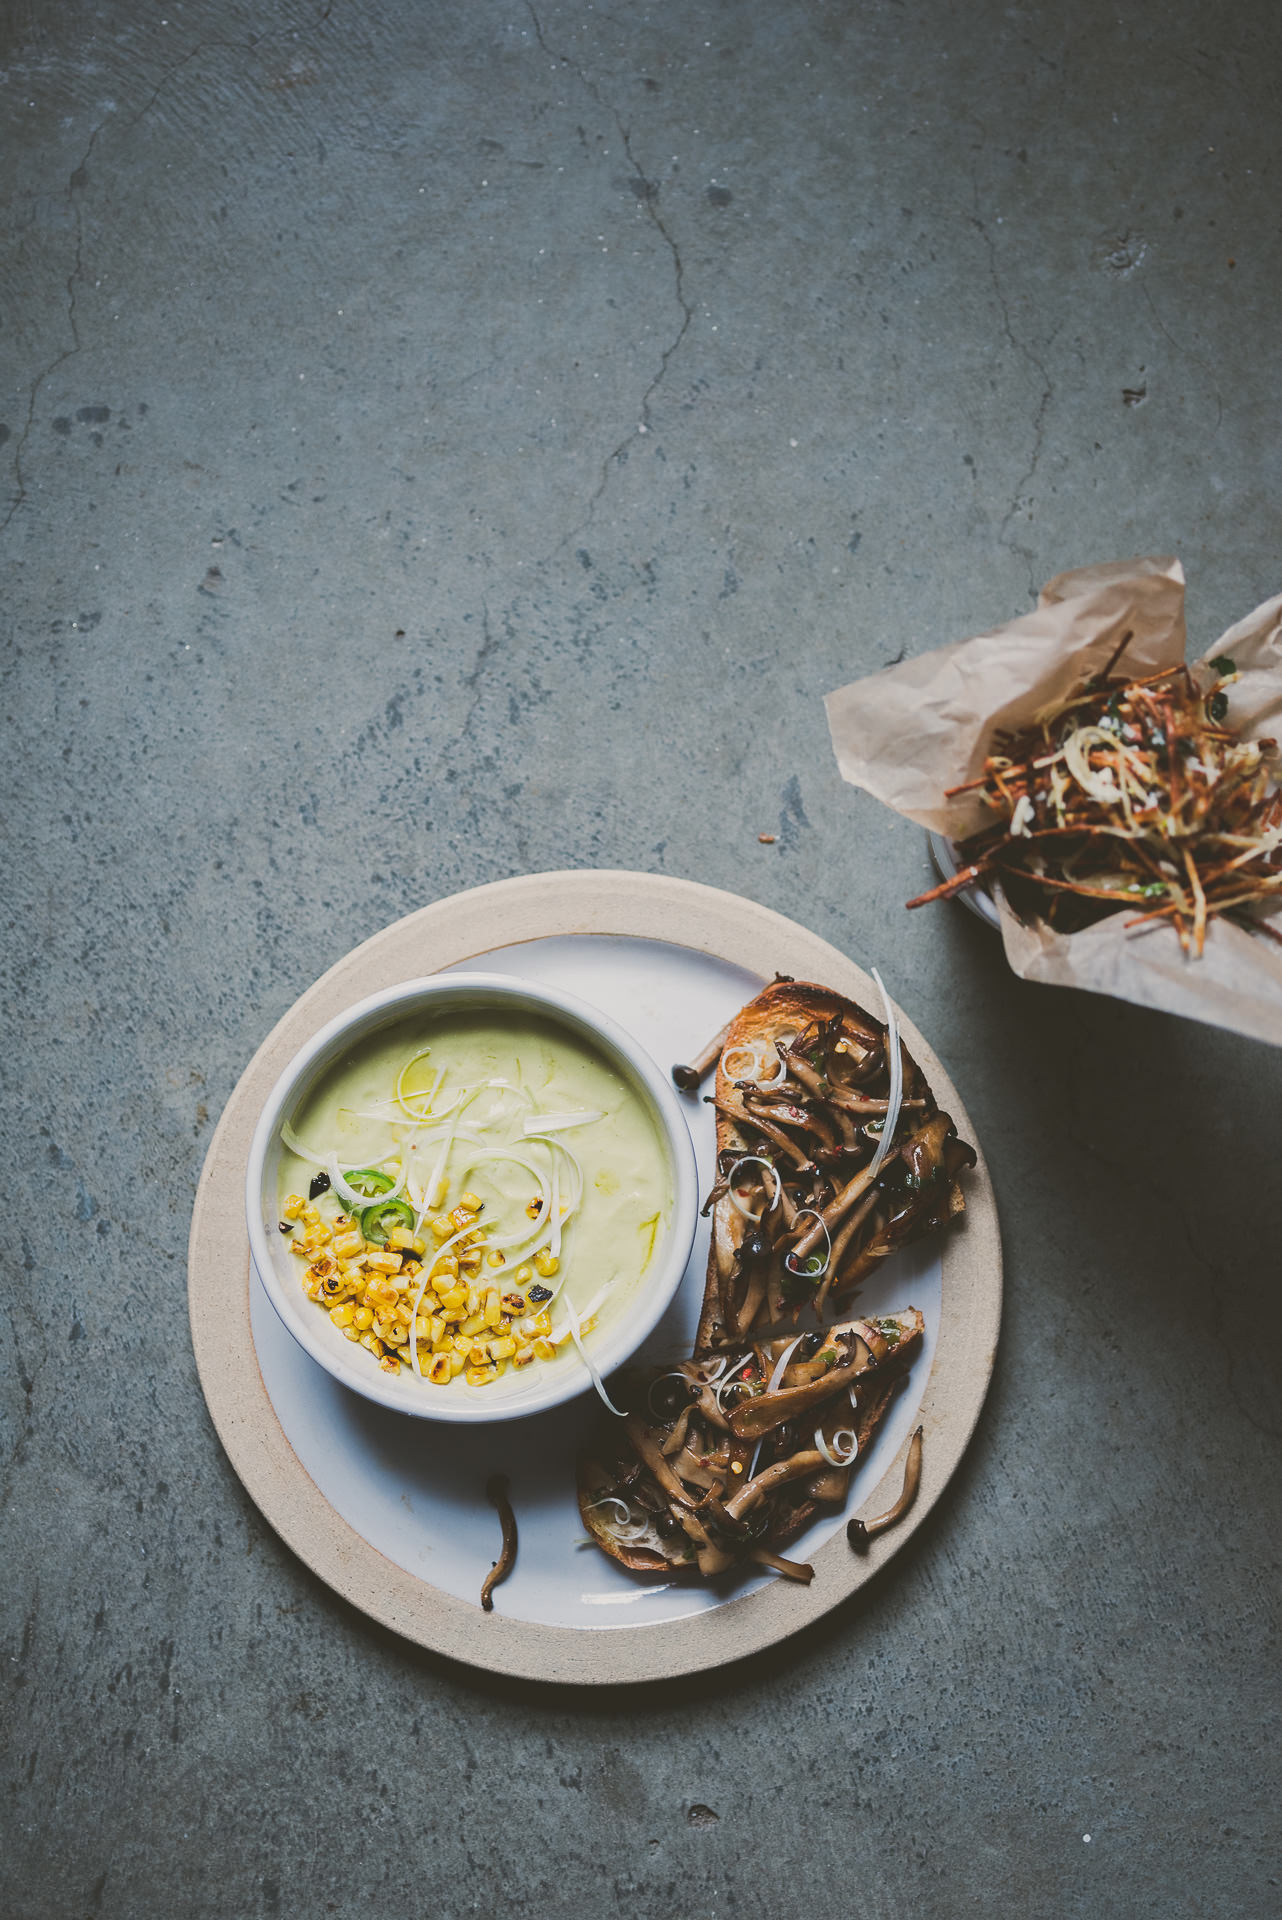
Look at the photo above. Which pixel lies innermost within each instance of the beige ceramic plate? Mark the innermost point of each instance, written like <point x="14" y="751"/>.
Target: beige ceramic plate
<point x="734" y="934"/>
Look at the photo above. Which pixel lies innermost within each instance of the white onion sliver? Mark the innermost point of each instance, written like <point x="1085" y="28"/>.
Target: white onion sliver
<point x="726" y="1379"/>
<point x="355" y="1201"/>
<point x="588" y="1362"/>
<point x="628" y="1530"/>
<point x="843" y="1459"/>
<point x="424" y="1109"/>
<point x="819" y="1271"/>
<point x="757" y="1077"/>
<point x="554" y="1243"/>
<point x="780" y="1367"/>
<point x="428" y="1265"/>
<point x="592" y="1308"/>
<point x="295" y="1145"/>
<point x="756" y="1159"/>
<point x="537" y="1123"/>
<point x="612" y="1500"/>
<point x="896" y="1078"/>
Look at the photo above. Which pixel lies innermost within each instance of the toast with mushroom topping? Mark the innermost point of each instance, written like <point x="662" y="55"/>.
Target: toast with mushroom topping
<point x="807" y="1197"/>
<point x="723" y="1461"/>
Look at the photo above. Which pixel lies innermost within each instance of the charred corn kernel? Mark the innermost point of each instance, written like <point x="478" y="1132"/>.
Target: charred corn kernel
<point x="523" y="1356"/>
<point x="383" y="1325"/>
<point x="496" y="1259"/>
<point x="544" y="1350"/>
<point x="397" y="1335"/>
<point x="502" y="1348"/>
<point x="523" y="1276"/>
<point x="454" y="1300"/>
<point x="384" y="1262"/>
<point x="478" y="1354"/>
<point x="390" y="1363"/>
<point x="526" y="1328"/>
<point x="418" y="1246"/>
<point x="444" y="1267"/>
<point x="371" y="1343"/>
<point x="302" y="1248"/>
<point x="401" y="1237"/>
<point x="311" y="1288"/>
<point x="493" y="1308"/>
<point x="472" y="1325"/>
<point x="310" y="1215"/>
<point x="474" y="1299"/>
<point x="348" y="1245"/>
<point x="534" y="1207"/>
<point x="363" y="1319"/>
<point x="543" y="1323"/>
<point x="403" y="1312"/>
<point x="457" y="1364"/>
<point x="470" y="1200"/>
<point x="440" y="1226"/>
<point x="293" y="1207"/>
<point x="351" y="1333"/>
<point x="343" y="1315"/>
<point x="438" y="1371"/>
<point x="513" y="1303"/>
<point x="547" y="1263"/>
<point x="381" y="1293"/>
<point x="481" y="1376"/>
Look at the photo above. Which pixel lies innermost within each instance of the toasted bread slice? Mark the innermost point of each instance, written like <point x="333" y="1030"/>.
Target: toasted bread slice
<point x="713" y="1465"/>
<point x="802" y="1091"/>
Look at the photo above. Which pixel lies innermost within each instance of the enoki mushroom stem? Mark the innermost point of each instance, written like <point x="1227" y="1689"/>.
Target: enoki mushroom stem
<point x="860" y="1532"/>
<point x="496" y="1494"/>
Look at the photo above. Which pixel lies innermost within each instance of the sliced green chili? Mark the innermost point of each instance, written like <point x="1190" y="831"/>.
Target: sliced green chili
<point x="378" y="1221"/>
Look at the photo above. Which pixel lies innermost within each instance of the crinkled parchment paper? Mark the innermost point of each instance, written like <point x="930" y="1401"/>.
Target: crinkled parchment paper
<point x="907" y="733"/>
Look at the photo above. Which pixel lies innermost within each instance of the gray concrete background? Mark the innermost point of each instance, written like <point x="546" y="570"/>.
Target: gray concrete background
<point x="441" y="442"/>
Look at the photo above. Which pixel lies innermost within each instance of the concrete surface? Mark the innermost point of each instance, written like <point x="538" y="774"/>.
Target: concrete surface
<point x="447" y="441"/>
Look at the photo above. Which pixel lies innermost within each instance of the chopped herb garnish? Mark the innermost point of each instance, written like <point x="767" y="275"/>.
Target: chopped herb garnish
<point x="1222" y="664"/>
<point x="1217" y="707"/>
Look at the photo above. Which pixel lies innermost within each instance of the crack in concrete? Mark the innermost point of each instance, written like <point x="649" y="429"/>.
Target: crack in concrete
<point x="655" y="216"/>
<point x="472" y="680"/>
<point x="1026" y="352"/>
<point x="76" y="180"/>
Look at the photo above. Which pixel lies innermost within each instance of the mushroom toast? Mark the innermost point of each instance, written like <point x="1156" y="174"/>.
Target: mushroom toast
<point x="723" y="1460"/>
<point x="831" y="1153"/>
